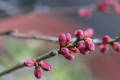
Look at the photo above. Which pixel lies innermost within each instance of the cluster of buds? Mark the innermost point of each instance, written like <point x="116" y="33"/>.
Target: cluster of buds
<point x="83" y="43"/>
<point x="38" y="66"/>
<point x="105" y="6"/>
<point x="102" y="6"/>
<point x="106" y="41"/>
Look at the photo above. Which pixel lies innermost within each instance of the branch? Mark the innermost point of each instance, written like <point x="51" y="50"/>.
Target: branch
<point x="14" y="34"/>
<point x="48" y="55"/>
<point x="19" y="66"/>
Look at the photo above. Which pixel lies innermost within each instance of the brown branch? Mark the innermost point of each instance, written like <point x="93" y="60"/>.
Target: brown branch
<point x="14" y="34"/>
<point x="19" y="66"/>
<point x="48" y="55"/>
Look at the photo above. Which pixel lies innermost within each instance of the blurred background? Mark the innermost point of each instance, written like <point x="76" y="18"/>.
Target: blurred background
<point x="51" y="17"/>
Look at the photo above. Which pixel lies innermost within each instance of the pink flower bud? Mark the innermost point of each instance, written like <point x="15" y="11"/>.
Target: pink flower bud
<point x="102" y="6"/>
<point x="85" y="12"/>
<point x="62" y="40"/>
<point x="79" y="34"/>
<point x="30" y="63"/>
<point x="38" y="72"/>
<point x="45" y="66"/>
<point x="89" y="32"/>
<point x="116" y="46"/>
<point x="80" y="45"/>
<point x="89" y="45"/>
<point x="68" y="37"/>
<point x="75" y="50"/>
<point x="65" y="51"/>
<point x="104" y="48"/>
<point x="116" y="8"/>
<point x="110" y="2"/>
<point x="106" y="39"/>
<point x="70" y="57"/>
<point x="85" y="52"/>
<point x="82" y="48"/>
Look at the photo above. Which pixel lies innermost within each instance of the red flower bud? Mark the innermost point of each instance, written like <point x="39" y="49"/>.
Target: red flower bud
<point x="104" y="7"/>
<point x="38" y="72"/>
<point x="106" y="39"/>
<point x="79" y="34"/>
<point x="68" y="37"/>
<point x="89" y="45"/>
<point x="111" y="2"/>
<point x="75" y="50"/>
<point x="85" y="12"/>
<point x="89" y="32"/>
<point x="104" y="48"/>
<point x="82" y="48"/>
<point x="116" y="8"/>
<point x="62" y="40"/>
<point x="45" y="66"/>
<point x="69" y="56"/>
<point x="116" y="46"/>
<point x="84" y="51"/>
<point x="30" y="63"/>
<point x="80" y="45"/>
<point x="65" y="51"/>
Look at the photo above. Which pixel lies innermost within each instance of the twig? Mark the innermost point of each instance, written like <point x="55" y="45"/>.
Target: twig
<point x="19" y="66"/>
<point x="14" y="34"/>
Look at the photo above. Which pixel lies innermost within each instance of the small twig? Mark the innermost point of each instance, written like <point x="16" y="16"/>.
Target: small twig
<point x="19" y="66"/>
<point x="14" y="34"/>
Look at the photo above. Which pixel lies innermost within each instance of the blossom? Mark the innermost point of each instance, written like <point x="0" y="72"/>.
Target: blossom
<point x="89" y="32"/>
<point x="45" y="66"/>
<point x="38" y="72"/>
<point x="30" y="63"/>
<point x="85" y="12"/>
<point x="104" y="48"/>
<point x="62" y="40"/>
<point x="79" y="34"/>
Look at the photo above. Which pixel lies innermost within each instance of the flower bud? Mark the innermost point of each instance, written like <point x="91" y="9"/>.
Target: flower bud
<point x="89" y="45"/>
<point x="79" y="34"/>
<point x="65" y="51"/>
<point x="75" y="50"/>
<point x="103" y="7"/>
<point x="84" y="51"/>
<point x="104" y="48"/>
<point x="70" y="57"/>
<point x="111" y="2"/>
<point x="116" y="8"/>
<point x="80" y="45"/>
<point x="30" y="63"/>
<point x="116" y="46"/>
<point x="85" y="12"/>
<point x="45" y="66"/>
<point x="68" y="38"/>
<point x="62" y="40"/>
<point x="38" y="72"/>
<point x="106" y="39"/>
<point x="89" y="32"/>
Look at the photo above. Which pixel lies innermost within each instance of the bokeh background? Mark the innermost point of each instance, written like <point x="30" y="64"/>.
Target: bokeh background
<point x="50" y="18"/>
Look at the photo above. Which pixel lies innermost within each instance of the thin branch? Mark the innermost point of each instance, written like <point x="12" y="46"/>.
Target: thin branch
<point x="48" y="55"/>
<point x="19" y="66"/>
<point x="14" y="34"/>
